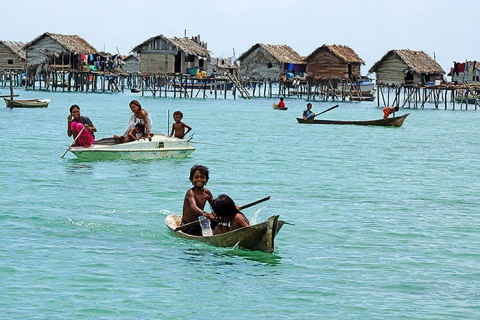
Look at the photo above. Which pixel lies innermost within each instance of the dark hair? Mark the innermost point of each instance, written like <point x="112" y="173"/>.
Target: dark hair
<point x="203" y="170"/>
<point x="73" y="107"/>
<point x="224" y="207"/>
<point x="140" y="126"/>
<point x="178" y="113"/>
<point x="309" y="104"/>
<point x="396" y="108"/>
<point x="136" y="103"/>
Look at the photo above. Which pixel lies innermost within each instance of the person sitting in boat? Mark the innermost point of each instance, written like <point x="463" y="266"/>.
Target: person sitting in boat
<point x="281" y="104"/>
<point x="136" y="133"/>
<point x="138" y="115"/>
<point x="195" y="200"/>
<point x="81" y="127"/>
<point x="178" y="127"/>
<point x="308" y="113"/>
<point x="228" y="215"/>
<point x="388" y="111"/>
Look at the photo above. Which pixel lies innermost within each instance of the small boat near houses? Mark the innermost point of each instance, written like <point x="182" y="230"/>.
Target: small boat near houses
<point x="389" y="122"/>
<point x="275" y="106"/>
<point x="161" y="147"/>
<point x="30" y="103"/>
<point x="258" y="237"/>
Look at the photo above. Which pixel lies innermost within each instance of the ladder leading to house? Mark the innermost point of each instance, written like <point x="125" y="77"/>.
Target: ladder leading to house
<point x="239" y="86"/>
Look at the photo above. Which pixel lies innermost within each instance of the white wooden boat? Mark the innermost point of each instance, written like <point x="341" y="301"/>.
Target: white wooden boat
<point x="161" y="147"/>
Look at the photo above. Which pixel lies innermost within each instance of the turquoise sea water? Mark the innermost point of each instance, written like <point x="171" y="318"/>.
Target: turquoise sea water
<point x="386" y="220"/>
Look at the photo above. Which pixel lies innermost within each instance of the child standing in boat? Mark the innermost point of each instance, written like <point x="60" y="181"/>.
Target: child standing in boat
<point x="196" y="198"/>
<point x="178" y="127"/>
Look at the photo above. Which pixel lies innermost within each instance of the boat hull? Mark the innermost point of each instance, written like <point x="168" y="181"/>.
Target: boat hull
<point x="32" y="103"/>
<point x="275" y="106"/>
<point x="258" y="237"/>
<point x="389" y="122"/>
<point x="161" y="147"/>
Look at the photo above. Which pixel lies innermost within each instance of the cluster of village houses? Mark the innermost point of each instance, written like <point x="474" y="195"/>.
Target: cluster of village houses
<point x="161" y="55"/>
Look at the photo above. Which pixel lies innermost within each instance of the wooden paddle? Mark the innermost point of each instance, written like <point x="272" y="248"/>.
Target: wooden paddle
<point x="188" y="225"/>
<point x="335" y="106"/>
<point x="74" y="140"/>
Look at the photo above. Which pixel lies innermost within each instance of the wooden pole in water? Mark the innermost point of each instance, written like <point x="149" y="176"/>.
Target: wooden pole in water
<point x="11" y="87"/>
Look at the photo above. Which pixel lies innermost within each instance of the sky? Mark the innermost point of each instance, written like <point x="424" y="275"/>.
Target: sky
<point x="446" y="30"/>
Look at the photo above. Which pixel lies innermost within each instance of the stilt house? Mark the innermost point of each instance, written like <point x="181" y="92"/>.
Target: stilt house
<point x="51" y="51"/>
<point x="465" y="72"/>
<point x="132" y="64"/>
<point x="333" y="63"/>
<point x="12" y="55"/>
<point x="406" y="67"/>
<point x="270" y="62"/>
<point x="162" y="55"/>
<point x="220" y="66"/>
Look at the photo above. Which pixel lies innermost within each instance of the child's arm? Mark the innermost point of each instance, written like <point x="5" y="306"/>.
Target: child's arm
<point x="132" y="134"/>
<point x="188" y="128"/>
<point x="173" y="129"/>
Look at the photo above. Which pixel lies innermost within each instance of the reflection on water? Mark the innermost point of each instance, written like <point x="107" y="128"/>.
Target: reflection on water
<point x="76" y="167"/>
<point x="223" y="256"/>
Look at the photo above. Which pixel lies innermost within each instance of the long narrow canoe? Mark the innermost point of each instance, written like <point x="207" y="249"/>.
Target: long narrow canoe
<point x="259" y="237"/>
<point x="389" y="122"/>
<point x="31" y="103"/>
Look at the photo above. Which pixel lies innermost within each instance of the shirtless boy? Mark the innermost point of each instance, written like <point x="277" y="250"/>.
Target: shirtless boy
<point x="196" y="198"/>
<point x="178" y="127"/>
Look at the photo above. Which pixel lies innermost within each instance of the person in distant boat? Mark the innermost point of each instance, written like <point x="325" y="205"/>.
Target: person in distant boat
<point x="308" y="113"/>
<point x="388" y="111"/>
<point x="138" y="115"/>
<point x="76" y="123"/>
<point x="227" y="214"/>
<point x="178" y="127"/>
<point x="136" y="132"/>
<point x="281" y="104"/>
<point x="196" y="198"/>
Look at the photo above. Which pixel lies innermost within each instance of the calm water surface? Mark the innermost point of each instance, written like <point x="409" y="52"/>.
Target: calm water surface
<point x="386" y="221"/>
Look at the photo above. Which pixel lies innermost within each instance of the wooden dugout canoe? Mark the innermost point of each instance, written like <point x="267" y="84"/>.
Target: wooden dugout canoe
<point x="258" y="237"/>
<point x="389" y="122"/>
<point x="31" y="103"/>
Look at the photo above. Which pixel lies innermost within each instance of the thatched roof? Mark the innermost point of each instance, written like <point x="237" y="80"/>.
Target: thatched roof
<point x="281" y="52"/>
<point x="16" y="47"/>
<point x="343" y="53"/>
<point x="72" y="43"/>
<point x="185" y="44"/>
<point x="189" y="46"/>
<point x="417" y="61"/>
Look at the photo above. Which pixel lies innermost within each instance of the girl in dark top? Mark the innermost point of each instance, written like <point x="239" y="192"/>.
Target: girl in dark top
<point x="228" y="215"/>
